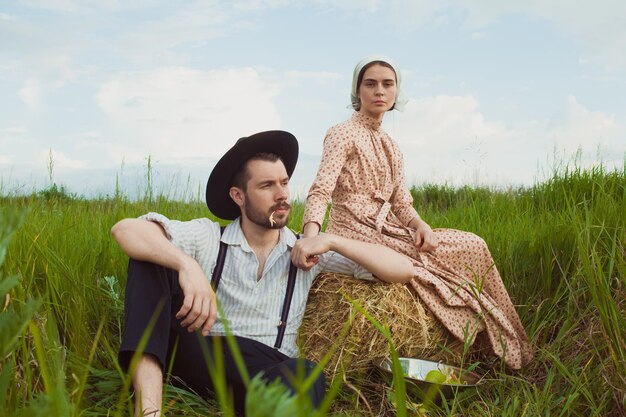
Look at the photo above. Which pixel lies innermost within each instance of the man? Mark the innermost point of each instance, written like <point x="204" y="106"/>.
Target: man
<point x="171" y="262"/>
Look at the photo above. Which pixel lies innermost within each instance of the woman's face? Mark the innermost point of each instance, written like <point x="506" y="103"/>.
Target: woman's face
<point x="377" y="91"/>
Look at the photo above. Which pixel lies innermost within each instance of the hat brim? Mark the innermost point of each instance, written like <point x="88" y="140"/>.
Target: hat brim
<point x="278" y="142"/>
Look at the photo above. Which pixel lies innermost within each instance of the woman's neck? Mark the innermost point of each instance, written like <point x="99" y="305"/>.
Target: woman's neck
<point x="376" y="116"/>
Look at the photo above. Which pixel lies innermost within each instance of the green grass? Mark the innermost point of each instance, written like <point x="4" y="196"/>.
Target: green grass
<point x="559" y="245"/>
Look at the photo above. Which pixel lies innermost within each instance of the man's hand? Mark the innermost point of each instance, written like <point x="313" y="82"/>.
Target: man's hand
<point x="199" y="308"/>
<point x="305" y="251"/>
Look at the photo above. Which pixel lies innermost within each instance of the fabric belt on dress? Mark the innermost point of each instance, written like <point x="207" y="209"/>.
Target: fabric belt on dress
<point x="383" y="211"/>
<point x="368" y="200"/>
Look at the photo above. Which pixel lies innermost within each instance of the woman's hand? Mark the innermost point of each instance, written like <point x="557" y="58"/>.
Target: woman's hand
<point x="425" y="239"/>
<point x="304" y="254"/>
<point x="199" y="309"/>
<point x="310" y="230"/>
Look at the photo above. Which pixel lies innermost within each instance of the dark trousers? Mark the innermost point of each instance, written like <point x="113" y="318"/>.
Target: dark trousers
<point x="153" y="294"/>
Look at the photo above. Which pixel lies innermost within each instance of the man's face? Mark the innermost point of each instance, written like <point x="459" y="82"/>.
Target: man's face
<point x="267" y="194"/>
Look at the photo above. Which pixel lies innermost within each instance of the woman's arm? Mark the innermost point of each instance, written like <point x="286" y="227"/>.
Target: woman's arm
<point x="382" y="261"/>
<point x="401" y="199"/>
<point x="311" y="229"/>
<point x="334" y="156"/>
<point x="402" y="206"/>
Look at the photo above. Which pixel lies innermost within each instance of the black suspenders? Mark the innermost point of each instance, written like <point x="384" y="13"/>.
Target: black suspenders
<point x="291" y="285"/>
<point x="219" y="263"/>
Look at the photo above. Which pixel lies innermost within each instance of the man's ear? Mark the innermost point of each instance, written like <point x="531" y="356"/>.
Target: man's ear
<point x="237" y="195"/>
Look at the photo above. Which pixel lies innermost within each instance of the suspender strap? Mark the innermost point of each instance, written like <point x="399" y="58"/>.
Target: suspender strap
<point x="291" y="284"/>
<point x="219" y="263"/>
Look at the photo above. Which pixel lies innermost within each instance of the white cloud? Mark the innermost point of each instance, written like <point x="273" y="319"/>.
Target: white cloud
<point x="321" y="76"/>
<point x="448" y="139"/>
<point x="185" y="113"/>
<point x="15" y="130"/>
<point x="192" y="24"/>
<point x="453" y="122"/>
<point x="4" y="160"/>
<point x="11" y="138"/>
<point x="577" y="127"/>
<point x="112" y="154"/>
<point x="590" y="136"/>
<point x="599" y="25"/>
<point x="5" y="16"/>
<point x="61" y="5"/>
<point x="40" y="52"/>
<point x="60" y="160"/>
<point x="82" y="5"/>
<point x="53" y="60"/>
<point x="480" y="35"/>
<point x="52" y="72"/>
<point x="92" y="135"/>
<point x="30" y="93"/>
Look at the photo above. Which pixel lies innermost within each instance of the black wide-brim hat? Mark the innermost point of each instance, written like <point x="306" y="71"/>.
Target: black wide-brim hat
<point x="278" y="142"/>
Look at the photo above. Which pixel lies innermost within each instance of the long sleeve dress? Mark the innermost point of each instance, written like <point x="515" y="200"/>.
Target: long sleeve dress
<point x="362" y="172"/>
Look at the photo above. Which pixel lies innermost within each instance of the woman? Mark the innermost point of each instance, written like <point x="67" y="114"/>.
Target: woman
<point x="362" y="172"/>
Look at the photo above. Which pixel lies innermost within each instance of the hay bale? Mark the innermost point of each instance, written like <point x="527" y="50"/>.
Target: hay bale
<point x="331" y="321"/>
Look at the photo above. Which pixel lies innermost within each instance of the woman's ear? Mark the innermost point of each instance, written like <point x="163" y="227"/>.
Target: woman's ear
<point x="237" y="195"/>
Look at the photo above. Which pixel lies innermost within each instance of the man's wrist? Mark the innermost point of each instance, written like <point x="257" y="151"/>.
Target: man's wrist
<point x="186" y="263"/>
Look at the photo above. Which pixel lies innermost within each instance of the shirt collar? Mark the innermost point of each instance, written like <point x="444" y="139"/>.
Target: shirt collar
<point x="365" y="120"/>
<point x="233" y="236"/>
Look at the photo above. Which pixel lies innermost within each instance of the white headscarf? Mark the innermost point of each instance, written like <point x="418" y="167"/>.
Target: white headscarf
<point x="401" y="100"/>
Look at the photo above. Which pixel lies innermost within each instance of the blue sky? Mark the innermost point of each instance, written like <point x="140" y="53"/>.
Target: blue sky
<point x="498" y="90"/>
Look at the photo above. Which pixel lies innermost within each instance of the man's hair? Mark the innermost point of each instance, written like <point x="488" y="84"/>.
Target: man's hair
<point x="241" y="177"/>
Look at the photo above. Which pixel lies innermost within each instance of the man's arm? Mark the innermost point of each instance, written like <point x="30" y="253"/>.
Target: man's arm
<point x="383" y="262"/>
<point x="146" y="241"/>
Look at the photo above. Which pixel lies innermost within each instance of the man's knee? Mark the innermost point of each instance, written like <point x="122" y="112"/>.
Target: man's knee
<point x="147" y="310"/>
<point x="142" y="269"/>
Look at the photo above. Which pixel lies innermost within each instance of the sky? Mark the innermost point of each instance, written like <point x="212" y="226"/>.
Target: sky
<point x="104" y="95"/>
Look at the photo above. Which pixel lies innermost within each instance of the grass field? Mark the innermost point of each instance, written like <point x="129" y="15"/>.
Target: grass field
<point x="559" y="245"/>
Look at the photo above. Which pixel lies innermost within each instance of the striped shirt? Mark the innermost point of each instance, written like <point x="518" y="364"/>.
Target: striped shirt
<point x="252" y="308"/>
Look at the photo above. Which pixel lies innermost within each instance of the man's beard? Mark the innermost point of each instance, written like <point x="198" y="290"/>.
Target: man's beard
<point x="261" y="218"/>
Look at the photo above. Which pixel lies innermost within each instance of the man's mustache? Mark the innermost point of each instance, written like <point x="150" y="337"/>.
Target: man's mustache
<point x="279" y="206"/>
